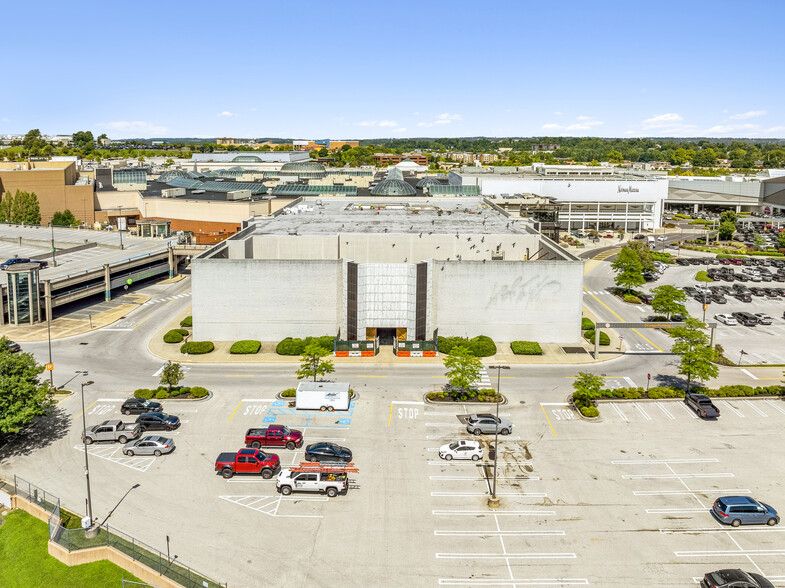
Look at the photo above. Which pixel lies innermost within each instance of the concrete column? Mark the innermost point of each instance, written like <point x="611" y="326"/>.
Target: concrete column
<point x="695" y="207"/>
<point x="597" y="341"/>
<point x="172" y="265"/>
<point x="2" y="307"/>
<point x="626" y="214"/>
<point x="48" y="299"/>
<point x="738" y="208"/>
<point x="107" y="282"/>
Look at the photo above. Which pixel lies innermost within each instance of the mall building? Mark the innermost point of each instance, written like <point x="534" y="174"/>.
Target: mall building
<point x="388" y="266"/>
<point x="588" y="197"/>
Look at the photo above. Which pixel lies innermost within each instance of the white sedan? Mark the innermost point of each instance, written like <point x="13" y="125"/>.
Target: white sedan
<point x="461" y="450"/>
<point x="662" y="238"/>
<point x="726" y="319"/>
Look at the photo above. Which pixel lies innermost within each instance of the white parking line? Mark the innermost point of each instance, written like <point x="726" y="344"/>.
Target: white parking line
<point x="665" y="411"/>
<point x="730" y="407"/>
<point x="751" y="405"/>
<point x="673" y="510"/>
<point x="690" y="492"/>
<point x="675" y="476"/>
<point x="640" y="410"/>
<point x="513" y="582"/>
<point x="619" y="412"/>
<point x="477" y="464"/>
<point x="774" y="406"/>
<point x="710" y="530"/>
<point x="675" y="460"/>
<point x="522" y="494"/>
<point x="753" y="376"/>
<point x="629" y="381"/>
<point x="729" y="553"/>
<point x="688" y="411"/>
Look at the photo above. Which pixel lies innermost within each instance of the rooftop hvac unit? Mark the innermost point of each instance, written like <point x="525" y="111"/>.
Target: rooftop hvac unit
<point x="238" y="195"/>
<point x="172" y="192"/>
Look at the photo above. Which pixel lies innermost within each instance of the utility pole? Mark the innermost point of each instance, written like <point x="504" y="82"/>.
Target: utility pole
<point x="54" y="261"/>
<point x="493" y="501"/>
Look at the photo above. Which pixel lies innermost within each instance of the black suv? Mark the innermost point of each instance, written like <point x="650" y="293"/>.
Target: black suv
<point x="139" y="406"/>
<point x="14" y="260"/>
<point x="157" y="421"/>
<point x="746" y="318"/>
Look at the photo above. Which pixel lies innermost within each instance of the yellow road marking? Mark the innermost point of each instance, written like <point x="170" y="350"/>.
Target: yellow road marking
<point x="389" y="420"/>
<point x="622" y="320"/>
<point x="235" y="410"/>
<point x="549" y="420"/>
<point x="84" y="411"/>
<point x="239" y="375"/>
<point x="612" y="377"/>
<point x="372" y="376"/>
<point x="141" y="321"/>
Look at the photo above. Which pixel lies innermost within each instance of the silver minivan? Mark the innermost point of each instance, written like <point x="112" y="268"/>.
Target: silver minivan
<point x="743" y="510"/>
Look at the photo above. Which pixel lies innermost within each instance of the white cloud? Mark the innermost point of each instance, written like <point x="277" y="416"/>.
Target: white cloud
<point x="557" y="113"/>
<point x="226" y="113"/>
<point x="400" y="130"/>
<point x="748" y="114"/>
<point x="388" y="123"/>
<point x="254" y="109"/>
<point x="366" y="123"/>
<point x="730" y="128"/>
<point x="134" y="127"/>
<point x="551" y="127"/>
<point x="661" y="121"/>
<point x="374" y="123"/>
<point x="424" y="124"/>
<point x="415" y="114"/>
<point x="446" y="118"/>
<point x="775" y="130"/>
<point x="583" y="118"/>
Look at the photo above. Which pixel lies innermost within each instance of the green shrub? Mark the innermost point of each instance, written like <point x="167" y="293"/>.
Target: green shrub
<point x="587" y="324"/>
<point x="590" y="411"/>
<point x="700" y="221"/>
<point x="175" y="392"/>
<point x="446" y="344"/>
<point x="174" y="336"/>
<point x="198" y="392"/>
<point x="289" y="393"/>
<point x="604" y="338"/>
<point x="526" y="348"/>
<point x="702" y="277"/>
<point x="187" y="322"/>
<point x="632" y="299"/>
<point x="665" y="392"/>
<point x="245" y="347"/>
<point x="685" y="216"/>
<point x="431" y="396"/>
<point x="290" y="346"/>
<point x="161" y="395"/>
<point x="144" y="393"/>
<point x="197" y="347"/>
<point x="669" y="225"/>
<point x="482" y="346"/>
<point x="661" y="256"/>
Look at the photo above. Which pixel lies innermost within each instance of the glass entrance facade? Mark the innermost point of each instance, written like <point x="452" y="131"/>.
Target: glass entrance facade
<point x="24" y="301"/>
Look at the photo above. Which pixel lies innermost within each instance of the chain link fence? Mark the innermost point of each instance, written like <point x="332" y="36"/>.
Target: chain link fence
<point x="76" y="539"/>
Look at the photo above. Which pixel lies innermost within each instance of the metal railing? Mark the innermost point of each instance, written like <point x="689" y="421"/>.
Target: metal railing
<point x="76" y="539"/>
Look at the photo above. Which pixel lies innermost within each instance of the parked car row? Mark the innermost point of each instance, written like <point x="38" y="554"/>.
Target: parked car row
<point x="747" y="319"/>
<point x="17" y="260"/>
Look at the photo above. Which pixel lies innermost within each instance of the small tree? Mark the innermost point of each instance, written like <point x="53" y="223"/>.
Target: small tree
<point x="628" y="268"/>
<point x="64" y="219"/>
<point x="22" y="396"/>
<point x="312" y="363"/>
<point x="668" y="300"/>
<point x="758" y="240"/>
<point x="692" y="345"/>
<point x="781" y="239"/>
<point x="463" y="368"/>
<point x="729" y="216"/>
<point x="586" y="387"/>
<point x="726" y="231"/>
<point x="172" y="375"/>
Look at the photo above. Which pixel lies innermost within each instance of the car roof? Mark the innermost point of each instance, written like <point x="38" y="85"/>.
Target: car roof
<point x="738" y="500"/>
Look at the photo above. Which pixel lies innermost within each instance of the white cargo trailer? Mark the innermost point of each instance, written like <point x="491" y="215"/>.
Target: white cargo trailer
<point x="322" y="396"/>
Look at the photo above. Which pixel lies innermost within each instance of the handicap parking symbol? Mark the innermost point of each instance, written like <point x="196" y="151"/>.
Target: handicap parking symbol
<point x="269" y="419"/>
<point x="344" y="421"/>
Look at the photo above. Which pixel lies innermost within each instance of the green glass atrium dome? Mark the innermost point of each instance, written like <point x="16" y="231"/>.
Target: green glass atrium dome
<point x="393" y="185"/>
<point x="305" y="169"/>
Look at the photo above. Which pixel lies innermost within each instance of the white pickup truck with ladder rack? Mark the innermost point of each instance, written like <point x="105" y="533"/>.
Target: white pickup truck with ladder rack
<point x="325" y="477"/>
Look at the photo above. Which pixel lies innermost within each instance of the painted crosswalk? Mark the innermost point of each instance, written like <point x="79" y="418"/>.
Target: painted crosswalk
<point x="167" y="299"/>
<point x="114" y="454"/>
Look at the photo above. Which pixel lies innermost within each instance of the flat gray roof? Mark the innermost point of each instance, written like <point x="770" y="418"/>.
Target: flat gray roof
<point x="36" y="243"/>
<point x="331" y="215"/>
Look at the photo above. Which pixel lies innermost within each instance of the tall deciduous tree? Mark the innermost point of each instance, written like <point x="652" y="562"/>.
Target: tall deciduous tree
<point x="21" y="207"/>
<point x="171" y="375"/>
<point x="691" y="344"/>
<point x="668" y="300"/>
<point x="628" y="268"/>
<point x="726" y="230"/>
<point x="729" y="215"/>
<point x="313" y="364"/>
<point x="586" y="387"/>
<point x="463" y="368"/>
<point x="22" y="396"/>
<point x="64" y="219"/>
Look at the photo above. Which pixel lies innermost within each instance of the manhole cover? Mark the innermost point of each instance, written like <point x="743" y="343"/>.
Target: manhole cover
<point x="574" y="350"/>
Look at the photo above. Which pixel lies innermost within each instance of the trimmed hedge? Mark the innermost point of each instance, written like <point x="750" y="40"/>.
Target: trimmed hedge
<point x="296" y="346"/>
<point x="187" y="322"/>
<point x="658" y="392"/>
<point x="632" y="299"/>
<point x="144" y="393"/>
<point x="162" y="393"/>
<point x="197" y="347"/>
<point x="702" y="277"/>
<point x="590" y="411"/>
<point x="464" y="395"/>
<point x="480" y="346"/>
<point x="245" y="347"/>
<point x="199" y="392"/>
<point x="526" y="348"/>
<point x="587" y="324"/>
<point x="289" y="393"/>
<point x="660" y="256"/>
<point x="175" y="335"/>
<point x="604" y="338"/>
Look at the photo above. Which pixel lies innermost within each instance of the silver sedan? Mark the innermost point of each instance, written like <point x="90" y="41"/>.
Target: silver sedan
<point x="150" y="445"/>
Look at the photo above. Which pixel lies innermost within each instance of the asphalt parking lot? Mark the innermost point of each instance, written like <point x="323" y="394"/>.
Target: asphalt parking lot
<point x="619" y="502"/>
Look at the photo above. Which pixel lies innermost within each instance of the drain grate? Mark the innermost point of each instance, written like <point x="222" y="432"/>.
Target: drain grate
<point x="575" y="350"/>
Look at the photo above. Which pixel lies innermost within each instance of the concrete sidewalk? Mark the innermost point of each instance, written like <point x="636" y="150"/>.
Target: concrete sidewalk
<point x="62" y="327"/>
<point x="552" y="352"/>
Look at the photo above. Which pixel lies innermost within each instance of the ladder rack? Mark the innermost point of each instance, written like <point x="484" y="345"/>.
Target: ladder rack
<point x="325" y="467"/>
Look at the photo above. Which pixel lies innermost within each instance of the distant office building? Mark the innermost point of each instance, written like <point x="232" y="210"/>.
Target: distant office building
<point x="392" y="158"/>
<point x="764" y="193"/>
<point x="547" y="147"/>
<point x="322" y="144"/>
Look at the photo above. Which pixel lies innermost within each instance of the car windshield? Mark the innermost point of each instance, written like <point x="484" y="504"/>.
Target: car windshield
<point x="286" y="430"/>
<point x="454" y="445"/>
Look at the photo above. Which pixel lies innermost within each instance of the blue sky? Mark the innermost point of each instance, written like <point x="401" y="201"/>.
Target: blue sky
<point x="404" y="69"/>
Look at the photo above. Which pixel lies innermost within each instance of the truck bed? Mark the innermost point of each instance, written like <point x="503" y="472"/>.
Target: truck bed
<point x="228" y="458"/>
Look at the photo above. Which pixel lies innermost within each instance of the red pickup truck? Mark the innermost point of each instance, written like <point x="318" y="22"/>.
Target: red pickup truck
<point x="274" y="436"/>
<point x="247" y="461"/>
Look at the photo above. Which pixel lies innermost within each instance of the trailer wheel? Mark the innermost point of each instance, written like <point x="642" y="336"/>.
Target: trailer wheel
<point x="332" y="492"/>
<point x="330" y="409"/>
<point x="322" y="408"/>
<point x="227" y="473"/>
<point x="286" y="490"/>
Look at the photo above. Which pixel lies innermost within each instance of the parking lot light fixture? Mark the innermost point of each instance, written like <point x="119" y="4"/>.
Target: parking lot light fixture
<point x="134" y="487"/>
<point x="86" y="462"/>
<point x="493" y="501"/>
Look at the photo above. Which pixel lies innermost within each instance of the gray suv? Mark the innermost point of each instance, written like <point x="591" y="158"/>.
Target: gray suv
<point x="478" y="424"/>
<point x="743" y="510"/>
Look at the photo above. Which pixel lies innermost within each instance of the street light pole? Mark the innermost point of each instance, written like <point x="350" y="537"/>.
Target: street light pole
<point x="119" y="230"/>
<point x="493" y="501"/>
<point x="86" y="462"/>
<point x="118" y="504"/>
<point x="54" y="261"/>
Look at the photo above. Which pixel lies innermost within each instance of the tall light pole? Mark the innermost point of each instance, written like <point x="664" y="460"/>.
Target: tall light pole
<point x="119" y="230"/>
<point x="118" y="504"/>
<point x="54" y="261"/>
<point x="86" y="462"/>
<point x="493" y="501"/>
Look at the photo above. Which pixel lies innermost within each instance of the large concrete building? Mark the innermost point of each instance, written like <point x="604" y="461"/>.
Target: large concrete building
<point x="58" y="185"/>
<point x="764" y="193"/>
<point x="387" y="267"/>
<point x="588" y="197"/>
